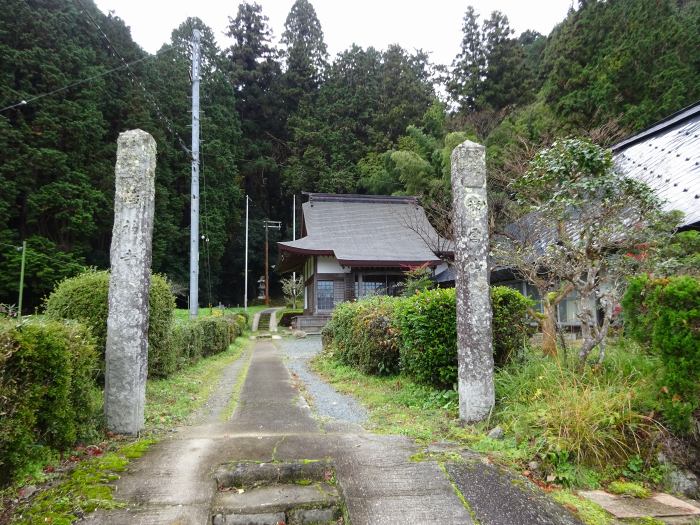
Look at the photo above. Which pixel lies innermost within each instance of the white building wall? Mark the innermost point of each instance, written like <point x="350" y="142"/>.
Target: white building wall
<point x="328" y="264"/>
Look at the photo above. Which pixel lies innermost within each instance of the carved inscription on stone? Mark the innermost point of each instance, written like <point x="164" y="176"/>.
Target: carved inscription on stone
<point x="130" y="256"/>
<point x="470" y="222"/>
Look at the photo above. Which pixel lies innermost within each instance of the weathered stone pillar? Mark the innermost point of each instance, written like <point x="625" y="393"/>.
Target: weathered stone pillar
<point x="474" y="338"/>
<point x="126" y="357"/>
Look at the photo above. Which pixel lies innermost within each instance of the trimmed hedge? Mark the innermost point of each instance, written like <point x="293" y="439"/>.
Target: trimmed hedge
<point x="84" y="298"/>
<point x="365" y="336"/>
<point x="418" y="334"/>
<point x="428" y="325"/>
<point x="193" y="339"/>
<point x="664" y="316"/>
<point x="48" y="398"/>
<point x="510" y="322"/>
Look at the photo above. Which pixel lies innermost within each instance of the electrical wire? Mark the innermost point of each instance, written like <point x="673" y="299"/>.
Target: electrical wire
<point x="78" y="82"/>
<point x="135" y="80"/>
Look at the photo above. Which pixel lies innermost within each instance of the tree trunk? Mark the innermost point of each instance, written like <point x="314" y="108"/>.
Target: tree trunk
<point x="548" y="325"/>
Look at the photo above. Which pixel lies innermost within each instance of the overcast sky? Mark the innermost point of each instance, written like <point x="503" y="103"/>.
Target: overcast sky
<point x="431" y="25"/>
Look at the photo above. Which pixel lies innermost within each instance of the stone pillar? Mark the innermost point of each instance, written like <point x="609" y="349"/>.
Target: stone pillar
<point x="126" y="358"/>
<point x="474" y="337"/>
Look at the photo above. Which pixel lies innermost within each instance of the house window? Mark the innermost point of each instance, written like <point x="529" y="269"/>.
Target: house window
<point x="379" y="285"/>
<point x="324" y="295"/>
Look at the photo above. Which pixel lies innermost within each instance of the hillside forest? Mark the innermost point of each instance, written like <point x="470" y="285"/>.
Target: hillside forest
<point x="280" y="116"/>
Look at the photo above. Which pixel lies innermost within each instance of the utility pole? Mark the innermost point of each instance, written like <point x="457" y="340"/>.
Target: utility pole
<point x="276" y="225"/>
<point x="21" y="281"/>
<point x="245" y="278"/>
<point x="194" y="206"/>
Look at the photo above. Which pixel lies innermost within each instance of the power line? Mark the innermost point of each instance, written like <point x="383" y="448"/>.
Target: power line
<point x="78" y="82"/>
<point x="134" y="79"/>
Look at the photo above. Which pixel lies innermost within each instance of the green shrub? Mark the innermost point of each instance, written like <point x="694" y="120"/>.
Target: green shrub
<point x="47" y="391"/>
<point x="215" y="335"/>
<point x="418" y="334"/>
<point x="84" y="298"/>
<point x="186" y="338"/>
<point x="510" y="322"/>
<point x="364" y="335"/>
<point x="428" y="331"/>
<point x="193" y="339"/>
<point x="664" y="315"/>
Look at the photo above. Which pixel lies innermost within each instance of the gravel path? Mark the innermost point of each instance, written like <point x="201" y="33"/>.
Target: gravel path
<point x="211" y="410"/>
<point x="325" y="400"/>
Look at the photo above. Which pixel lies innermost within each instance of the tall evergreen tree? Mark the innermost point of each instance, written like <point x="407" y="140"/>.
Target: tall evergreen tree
<point x="468" y="69"/>
<point x="364" y="105"/>
<point x="305" y="53"/>
<point x="58" y="151"/>
<point x="507" y="80"/>
<point x="254" y="71"/>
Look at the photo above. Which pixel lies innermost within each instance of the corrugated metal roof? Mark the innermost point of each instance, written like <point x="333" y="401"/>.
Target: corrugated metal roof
<point x="366" y="230"/>
<point x="667" y="157"/>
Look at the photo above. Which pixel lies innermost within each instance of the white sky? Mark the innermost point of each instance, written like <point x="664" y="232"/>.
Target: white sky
<point x="432" y="25"/>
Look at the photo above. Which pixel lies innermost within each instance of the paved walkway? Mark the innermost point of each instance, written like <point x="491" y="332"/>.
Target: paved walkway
<point x="173" y="483"/>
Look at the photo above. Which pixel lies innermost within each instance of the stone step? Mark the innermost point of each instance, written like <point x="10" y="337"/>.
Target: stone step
<point x="329" y="516"/>
<point x="276" y="518"/>
<point x="248" y="475"/>
<point x="274" y="499"/>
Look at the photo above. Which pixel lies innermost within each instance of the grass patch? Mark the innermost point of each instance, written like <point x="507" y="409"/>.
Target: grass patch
<point x="589" y="512"/>
<point x="629" y="488"/>
<point x="85" y="489"/>
<point x="235" y="393"/>
<point x="171" y="400"/>
<point x="583" y="429"/>
<point x="397" y="405"/>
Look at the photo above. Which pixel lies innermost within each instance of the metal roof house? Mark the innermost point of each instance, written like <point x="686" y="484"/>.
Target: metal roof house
<point x="357" y="245"/>
<point x="666" y="156"/>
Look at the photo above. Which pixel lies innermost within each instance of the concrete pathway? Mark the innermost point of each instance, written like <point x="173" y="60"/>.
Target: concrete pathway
<point x="174" y="482"/>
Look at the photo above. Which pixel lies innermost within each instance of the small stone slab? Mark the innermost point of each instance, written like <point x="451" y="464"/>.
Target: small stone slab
<point x="249" y="475"/>
<point x="275" y="518"/>
<point x="328" y="516"/>
<point x="276" y="498"/>
<point x="657" y="505"/>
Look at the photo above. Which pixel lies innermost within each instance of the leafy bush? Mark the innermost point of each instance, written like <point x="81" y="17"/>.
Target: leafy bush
<point x="47" y="391"/>
<point x="84" y="298"/>
<point x="215" y="335"/>
<point x="186" y="338"/>
<point x="418" y="334"/>
<point x="427" y="323"/>
<point x="428" y="330"/>
<point x="510" y="322"/>
<point x="364" y="335"/>
<point x="193" y="339"/>
<point x="664" y="315"/>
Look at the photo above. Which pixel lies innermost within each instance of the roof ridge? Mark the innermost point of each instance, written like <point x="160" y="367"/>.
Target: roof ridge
<point x="353" y="197"/>
<point x="674" y="118"/>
